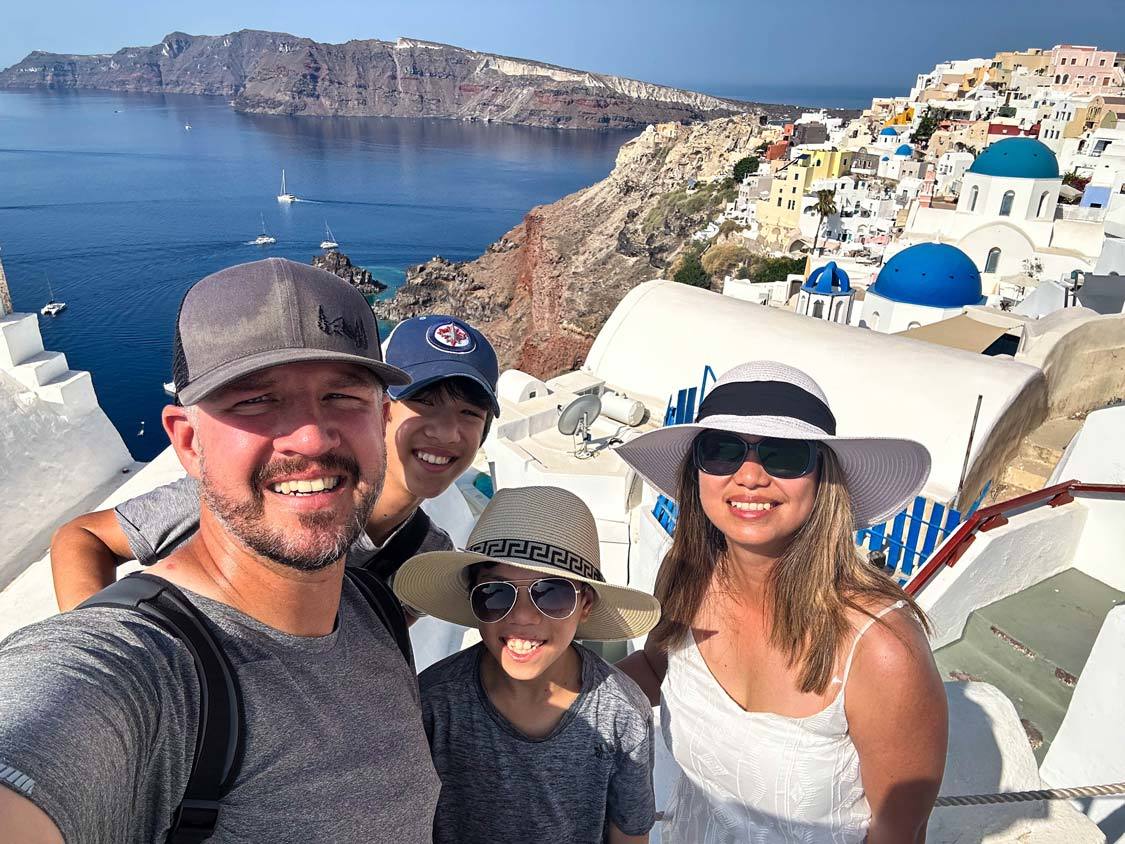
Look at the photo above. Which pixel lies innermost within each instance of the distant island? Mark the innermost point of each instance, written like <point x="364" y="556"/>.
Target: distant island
<point x="275" y="73"/>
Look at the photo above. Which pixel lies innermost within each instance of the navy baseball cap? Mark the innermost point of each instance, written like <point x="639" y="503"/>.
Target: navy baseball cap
<point x="435" y="347"/>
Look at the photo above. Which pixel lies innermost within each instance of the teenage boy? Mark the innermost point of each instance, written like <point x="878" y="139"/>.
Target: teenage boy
<point x="535" y="737"/>
<point x="434" y="427"/>
<point x="280" y="376"/>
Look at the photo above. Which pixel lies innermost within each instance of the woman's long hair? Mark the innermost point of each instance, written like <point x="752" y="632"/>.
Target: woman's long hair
<point x="818" y="578"/>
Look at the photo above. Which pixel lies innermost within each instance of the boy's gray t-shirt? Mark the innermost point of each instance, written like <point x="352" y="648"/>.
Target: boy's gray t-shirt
<point x="498" y="785"/>
<point x="161" y="520"/>
<point x="99" y="709"/>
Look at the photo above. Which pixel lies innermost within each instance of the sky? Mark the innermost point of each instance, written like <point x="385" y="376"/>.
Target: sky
<point x="754" y="49"/>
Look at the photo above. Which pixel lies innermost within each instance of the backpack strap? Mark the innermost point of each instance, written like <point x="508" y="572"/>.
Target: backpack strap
<point x="218" y="742"/>
<point x="402" y="545"/>
<point x="385" y="606"/>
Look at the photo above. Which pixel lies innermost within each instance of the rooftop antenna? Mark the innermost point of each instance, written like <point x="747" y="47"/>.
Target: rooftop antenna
<point x="575" y="421"/>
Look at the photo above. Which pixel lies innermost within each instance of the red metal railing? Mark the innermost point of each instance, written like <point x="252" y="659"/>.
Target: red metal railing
<point x="987" y="518"/>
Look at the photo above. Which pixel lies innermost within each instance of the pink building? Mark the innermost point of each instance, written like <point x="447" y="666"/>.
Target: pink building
<point x="1085" y="70"/>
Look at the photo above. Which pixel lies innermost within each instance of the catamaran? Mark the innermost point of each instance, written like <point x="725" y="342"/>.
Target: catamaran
<point x="285" y="196"/>
<point x="264" y="239"/>
<point x="329" y="241"/>
<point x="52" y="307"/>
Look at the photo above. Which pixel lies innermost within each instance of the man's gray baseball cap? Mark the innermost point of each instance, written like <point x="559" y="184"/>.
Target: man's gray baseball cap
<point x="267" y="313"/>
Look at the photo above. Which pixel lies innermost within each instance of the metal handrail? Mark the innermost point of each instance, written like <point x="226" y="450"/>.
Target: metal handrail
<point x="993" y="516"/>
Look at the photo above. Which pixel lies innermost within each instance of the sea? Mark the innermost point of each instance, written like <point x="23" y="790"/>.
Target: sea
<point x="115" y="205"/>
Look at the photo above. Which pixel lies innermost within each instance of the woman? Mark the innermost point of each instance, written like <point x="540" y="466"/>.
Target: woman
<point x="800" y="696"/>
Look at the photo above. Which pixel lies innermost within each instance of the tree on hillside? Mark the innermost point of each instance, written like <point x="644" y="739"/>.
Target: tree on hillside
<point x="825" y="207"/>
<point x="745" y="166"/>
<point x="931" y="117"/>
<point x="691" y="270"/>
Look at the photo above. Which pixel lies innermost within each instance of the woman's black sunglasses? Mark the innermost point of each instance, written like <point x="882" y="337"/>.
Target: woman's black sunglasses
<point x="723" y="453"/>
<point x="555" y="597"/>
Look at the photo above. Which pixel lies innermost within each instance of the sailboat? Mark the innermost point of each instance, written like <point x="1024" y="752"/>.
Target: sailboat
<point x="329" y="241"/>
<point x="285" y="196"/>
<point x="52" y="307"/>
<point x="264" y="239"/>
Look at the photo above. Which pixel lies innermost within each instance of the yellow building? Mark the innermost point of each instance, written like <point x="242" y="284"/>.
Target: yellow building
<point x="1005" y="63"/>
<point x="778" y="216"/>
<point x="903" y="118"/>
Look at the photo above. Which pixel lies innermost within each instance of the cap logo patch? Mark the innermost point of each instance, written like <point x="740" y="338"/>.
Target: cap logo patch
<point x="450" y="337"/>
<point x="340" y="326"/>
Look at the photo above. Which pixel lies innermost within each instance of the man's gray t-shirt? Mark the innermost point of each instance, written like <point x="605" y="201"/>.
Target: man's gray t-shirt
<point x="99" y="710"/>
<point x="498" y="785"/>
<point x="159" y="521"/>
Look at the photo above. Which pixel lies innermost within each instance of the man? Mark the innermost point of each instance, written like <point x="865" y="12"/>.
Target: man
<point x="435" y="426"/>
<point x="279" y="370"/>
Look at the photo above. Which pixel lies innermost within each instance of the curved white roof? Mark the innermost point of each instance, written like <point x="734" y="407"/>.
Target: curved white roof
<point x="662" y="334"/>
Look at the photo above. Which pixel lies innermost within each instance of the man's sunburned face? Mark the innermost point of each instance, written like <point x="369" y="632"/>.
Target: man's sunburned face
<point x="292" y="459"/>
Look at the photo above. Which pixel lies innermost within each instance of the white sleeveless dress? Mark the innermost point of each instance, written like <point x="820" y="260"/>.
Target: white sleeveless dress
<point x="756" y="776"/>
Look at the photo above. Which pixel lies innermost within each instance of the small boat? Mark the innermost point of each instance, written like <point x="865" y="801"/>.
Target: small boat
<point x="52" y="307"/>
<point x="264" y="239"/>
<point x="329" y="241"/>
<point x="170" y="388"/>
<point x="285" y="196"/>
<point x="187" y="127"/>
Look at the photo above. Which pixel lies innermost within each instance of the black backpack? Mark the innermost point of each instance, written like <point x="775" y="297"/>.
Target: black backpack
<point x="218" y="742"/>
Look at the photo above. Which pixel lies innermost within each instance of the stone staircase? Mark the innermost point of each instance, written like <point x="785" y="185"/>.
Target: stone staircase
<point x="1039" y="453"/>
<point x="1033" y="646"/>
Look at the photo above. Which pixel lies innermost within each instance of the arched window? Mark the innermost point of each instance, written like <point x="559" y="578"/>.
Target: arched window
<point x="1006" y="203"/>
<point x="973" y="194"/>
<point x="913" y="324"/>
<point x="839" y="308"/>
<point x="875" y="320"/>
<point x="993" y="261"/>
<point x="1043" y="203"/>
<point x="818" y="309"/>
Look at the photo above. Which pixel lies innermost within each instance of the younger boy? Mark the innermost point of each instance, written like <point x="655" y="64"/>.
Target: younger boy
<point x="434" y="427"/>
<point x="535" y="737"/>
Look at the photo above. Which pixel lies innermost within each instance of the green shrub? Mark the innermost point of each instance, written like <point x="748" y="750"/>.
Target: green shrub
<point x="745" y="166"/>
<point x="691" y="270"/>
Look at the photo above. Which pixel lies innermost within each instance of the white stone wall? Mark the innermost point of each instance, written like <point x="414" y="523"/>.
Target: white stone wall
<point x="57" y="447"/>
<point x="1089" y="748"/>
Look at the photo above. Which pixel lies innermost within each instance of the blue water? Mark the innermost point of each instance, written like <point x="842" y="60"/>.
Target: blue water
<point x="124" y="209"/>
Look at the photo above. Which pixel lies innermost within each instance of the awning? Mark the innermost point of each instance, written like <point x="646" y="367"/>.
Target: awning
<point x="959" y="332"/>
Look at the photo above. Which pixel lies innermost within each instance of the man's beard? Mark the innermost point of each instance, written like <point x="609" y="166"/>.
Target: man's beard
<point x="330" y="539"/>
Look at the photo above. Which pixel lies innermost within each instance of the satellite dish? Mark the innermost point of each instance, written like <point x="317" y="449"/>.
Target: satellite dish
<point x="580" y="413"/>
<point x="576" y="419"/>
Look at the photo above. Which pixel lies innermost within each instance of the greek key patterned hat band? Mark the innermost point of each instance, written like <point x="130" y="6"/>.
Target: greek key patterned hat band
<point x="546" y="531"/>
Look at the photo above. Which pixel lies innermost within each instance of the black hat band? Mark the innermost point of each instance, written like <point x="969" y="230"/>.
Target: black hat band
<point x="767" y="398"/>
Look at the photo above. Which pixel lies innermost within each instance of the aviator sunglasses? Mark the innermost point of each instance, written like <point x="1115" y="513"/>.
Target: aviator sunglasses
<point x="723" y="453"/>
<point x="554" y="597"/>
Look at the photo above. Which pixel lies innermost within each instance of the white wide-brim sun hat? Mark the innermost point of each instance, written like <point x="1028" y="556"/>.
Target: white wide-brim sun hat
<point x="546" y="531"/>
<point x="771" y="399"/>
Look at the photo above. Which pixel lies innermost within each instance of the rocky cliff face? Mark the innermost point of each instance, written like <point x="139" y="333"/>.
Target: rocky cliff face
<point x="275" y="73"/>
<point x="340" y="264"/>
<point x="542" y="292"/>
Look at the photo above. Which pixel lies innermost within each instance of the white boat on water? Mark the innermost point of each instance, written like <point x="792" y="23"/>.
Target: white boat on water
<point x="52" y="307"/>
<point x="187" y="127"/>
<point x="329" y="241"/>
<point x="285" y="196"/>
<point x="265" y="238"/>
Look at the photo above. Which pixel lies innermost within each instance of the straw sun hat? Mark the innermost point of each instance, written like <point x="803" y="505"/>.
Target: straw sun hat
<point x="546" y="531"/>
<point x="770" y="399"/>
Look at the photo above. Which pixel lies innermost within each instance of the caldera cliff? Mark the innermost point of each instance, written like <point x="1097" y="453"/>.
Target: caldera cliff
<point x="542" y="291"/>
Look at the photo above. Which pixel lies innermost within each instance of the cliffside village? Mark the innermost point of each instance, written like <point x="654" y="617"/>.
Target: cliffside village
<point x="1014" y="166"/>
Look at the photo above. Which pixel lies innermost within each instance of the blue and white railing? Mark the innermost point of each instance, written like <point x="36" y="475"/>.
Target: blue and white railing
<point x="906" y="540"/>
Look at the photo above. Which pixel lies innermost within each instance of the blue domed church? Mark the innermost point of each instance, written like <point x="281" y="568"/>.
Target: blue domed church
<point x="922" y="284"/>
<point x="1008" y="219"/>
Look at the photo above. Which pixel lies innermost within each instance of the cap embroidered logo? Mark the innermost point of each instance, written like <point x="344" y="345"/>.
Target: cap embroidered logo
<point x="451" y="337"/>
<point x="342" y="327"/>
